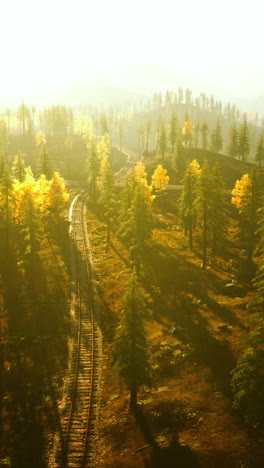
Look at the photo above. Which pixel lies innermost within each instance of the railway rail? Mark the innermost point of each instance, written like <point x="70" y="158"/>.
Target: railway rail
<point x="77" y="439"/>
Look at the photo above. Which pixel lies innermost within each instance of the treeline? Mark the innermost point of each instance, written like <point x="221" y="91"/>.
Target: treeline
<point x="32" y="212"/>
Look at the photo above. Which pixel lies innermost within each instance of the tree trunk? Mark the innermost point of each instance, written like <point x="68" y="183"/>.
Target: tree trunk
<point x="133" y="397"/>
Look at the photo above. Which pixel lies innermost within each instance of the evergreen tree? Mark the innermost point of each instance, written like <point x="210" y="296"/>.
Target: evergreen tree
<point x="162" y="145"/>
<point x="131" y="348"/>
<point x="148" y="131"/>
<point x="30" y="227"/>
<point x="216" y="138"/>
<point x="219" y="218"/>
<point x="196" y="134"/>
<point x="173" y="131"/>
<point x="187" y="198"/>
<point x="57" y="197"/>
<point x="18" y="168"/>
<point x="246" y="197"/>
<point x="7" y="199"/>
<point x="204" y="132"/>
<point x="243" y="145"/>
<point x="136" y="214"/>
<point x="233" y="141"/>
<point x="204" y="205"/>
<point x="260" y="151"/>
<point x="93" y="165"/>
<point x="188" y="131"/>
<point x="107" y="197"/>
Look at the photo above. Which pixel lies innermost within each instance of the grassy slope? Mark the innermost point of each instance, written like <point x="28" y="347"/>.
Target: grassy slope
<point x="189" y="410"/>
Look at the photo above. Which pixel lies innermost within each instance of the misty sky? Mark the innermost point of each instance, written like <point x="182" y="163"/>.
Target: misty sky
<point x="56" y="43"/>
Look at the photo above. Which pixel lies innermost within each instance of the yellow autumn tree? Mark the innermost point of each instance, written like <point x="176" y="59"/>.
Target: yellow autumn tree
<point x="188" y="131"/>
<point x="160" y="178"/>
<point x="104" y="147"/>
<point x="240" y="192"/>
<point x="22" y="190"/>
<point x="57" y="196"/>
<point x="140" y="176"/>
<point x="40" y="139"/>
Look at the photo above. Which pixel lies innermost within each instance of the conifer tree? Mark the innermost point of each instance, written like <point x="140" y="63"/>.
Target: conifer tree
<point x="188" y="131"/>
<point x="45" y="168"/>
<point x="18" y="168"/>
<point x="216" y="138"/>
<point x="204" y="132"/>
<point x="243" y="145"/>
<point x="204" y="205"/>
<point x="136" y="223"/>
<point x="7" y="199"/>
<point x="57" y="197"/>
<point x="30" y="227"/>
<point x="233" y="141"/>
<point x="93" y="165"/>
<point x="173" y="131"/>
<point x="187" y="198"/>
<point x="107" y="197"/>
<point x="162" y="144"/>
<point x="246" y="197"/>
<point x="260" y="151"/>
<point x="148" y="131"/>
<point x="196" y="134"/>
<point x="219" y="218"/>
<point x="131" y="347"/>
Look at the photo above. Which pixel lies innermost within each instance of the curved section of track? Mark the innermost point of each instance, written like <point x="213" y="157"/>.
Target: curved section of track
<point x="78" y="435"/>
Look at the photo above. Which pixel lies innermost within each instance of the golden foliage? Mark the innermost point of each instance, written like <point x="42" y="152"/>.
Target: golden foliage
<point x="188" y="128"/>
<point x="240" y="191"/>
<point x="160" y="178"/>
<point x="104" y="147"/>
<point x="40" y="139"/>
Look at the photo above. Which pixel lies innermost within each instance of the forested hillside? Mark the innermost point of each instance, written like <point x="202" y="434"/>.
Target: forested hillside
<point x="171" y="192"/>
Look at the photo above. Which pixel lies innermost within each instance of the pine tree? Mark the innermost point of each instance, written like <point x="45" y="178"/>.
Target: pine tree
<point x="7" y="200"/>
<point x="219" y="218"/>
<point x="30" y="227"/>
<point x="204" y="132"/>
<point x="260" y="151"/>
<point x="204" y="205"/>
<point x="187" y="198"/>
<point x="148" y="131"/>
<point x="188" y="131"/>
<point x="173" y="131"/>
<point x="136" y="214"/>
<point x="243" y="145"/>
<point x="18" y="168"/>
<point x="57" y="197"/>
<point x="196" y="134"/>
<point x="246" y="197"/>
<point x="233" y="141"/>
<point x="93" y="165"/>
<point x="131" y="347"/>
<point x="216" y="138"/>
<point x="107" y="197"/>
<point x="162" y="144"/>
<point x="45" y="168"/>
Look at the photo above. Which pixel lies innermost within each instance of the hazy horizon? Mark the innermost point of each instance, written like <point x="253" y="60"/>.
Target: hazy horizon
<point x="61" y="46"/>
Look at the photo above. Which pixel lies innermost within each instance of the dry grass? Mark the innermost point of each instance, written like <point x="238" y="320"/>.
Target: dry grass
<point x="196" y="332"/>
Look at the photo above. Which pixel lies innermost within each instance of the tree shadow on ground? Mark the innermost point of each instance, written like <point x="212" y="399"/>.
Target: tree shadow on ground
<point x="176" y="455"/>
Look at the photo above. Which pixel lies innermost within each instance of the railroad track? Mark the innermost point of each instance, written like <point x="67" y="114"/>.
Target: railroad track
<point x="77" y="439"/>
